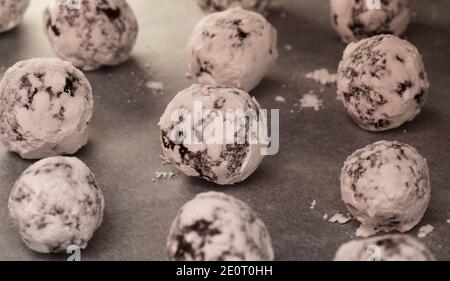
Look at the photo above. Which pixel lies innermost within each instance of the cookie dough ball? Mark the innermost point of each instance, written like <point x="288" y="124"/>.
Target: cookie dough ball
<point x="56" y="203"/>
<point x="357" y="19"/>
<point x="45" y="108"/>
<point x="190" y="145"/>
<point x="386" y="187"/>
<point x="11" y="13"/>
<point x="382" y="82"/>
<point x="217" y="227"/>
<point x="384" y="248"/>
<point x="220" y="5"/>
<point x="234" y="48"/>
<point x="98" y="33"/>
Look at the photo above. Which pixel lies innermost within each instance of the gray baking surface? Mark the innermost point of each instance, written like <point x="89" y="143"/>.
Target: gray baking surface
<point x="124" y="147"/>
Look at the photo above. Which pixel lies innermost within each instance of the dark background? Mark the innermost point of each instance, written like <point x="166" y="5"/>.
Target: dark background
<point x="124" y="146"/>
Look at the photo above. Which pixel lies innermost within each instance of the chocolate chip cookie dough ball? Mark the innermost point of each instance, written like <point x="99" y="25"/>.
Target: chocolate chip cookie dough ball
<point x="386" y="187"/>
<point x="234" y="48"/>
<point x="56" y="203"/>
<point x="45" y="108"/>
<point x="94" y="34"/>
<point x="384" y="248"/>
<point x="357" y="19"/>
<point x="193" y="143"/>
<point x="220" y="5"/>
<point x="382" y="82"/>
<point x="217" y="227"/>
<point x="11" y="13"/>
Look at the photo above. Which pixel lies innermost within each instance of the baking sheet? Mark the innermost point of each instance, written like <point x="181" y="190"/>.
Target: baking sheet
<point x="124" y="147"/>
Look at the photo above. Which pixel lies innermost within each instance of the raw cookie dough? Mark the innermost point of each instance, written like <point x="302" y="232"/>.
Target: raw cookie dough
<point x="382" y="82"/>
<point x="217" y="227"/>
<point x="384" y="248"/>
<point x="45" y="108"/>
<point x="386" y="187"/>
<point x="56" y="203"/>
<point x="11" y="13"/>
<point x="98" y="33"/>
<point x="357" y="19"/>
<point x="220" y="5"/>
<point x="234" y="48"/>
<point x="223" y="162"/>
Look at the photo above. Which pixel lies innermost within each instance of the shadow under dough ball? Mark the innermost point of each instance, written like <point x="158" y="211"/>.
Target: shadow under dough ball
<point x="45" y="108"/>
<point x="394" y="247"/>
<point x="56" y="203"/>
<point x="234" y="48"/>
<point x="382" y="82"/>
<point x="195" y="151"/>
<point x="221" y="5"/>
<point x="98" y="33"/>
<point x="386" y="187"/>
<point x="11" y="13"/>
<point x="217" y="227"/>
<point x="354" y="20"/>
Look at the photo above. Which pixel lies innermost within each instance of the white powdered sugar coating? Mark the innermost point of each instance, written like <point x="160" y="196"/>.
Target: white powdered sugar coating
<point x="386" y="187"/>
<point x="99" y="33"/>
<point x="384" y="248"/>
<point x="11" y="13"/>
<point x="354" y="19"/>
<point x="220" y="5"/>
<point x="45" y="108"/>
<point x="235" y="48"/>
<point x="224" y="162"/>
<point x="56" y="203"/>
<point x="217" y="227"/>
<point x="382" y="82"/>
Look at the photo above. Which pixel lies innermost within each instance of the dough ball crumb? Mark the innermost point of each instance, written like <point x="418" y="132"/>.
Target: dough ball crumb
<point x="382" y="82"/>
<point x="56" y="203"/>
<point x="234" y="48"/>
<point x="384" y="248"/>
<point x="45" y="108"/>
<point x="354" y="20"/>
<point x="187" y="143"/>
<point x="11" y="13"/>
<point x="217" y="227"/>
<point x="386" y="187"/>
<point x="98" y="33"/>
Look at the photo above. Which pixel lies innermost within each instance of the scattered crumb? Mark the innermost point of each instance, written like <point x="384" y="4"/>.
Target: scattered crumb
<point x="311" y="101"/>
<point x="340" y="219"/>
<point x="365" y="231"/>
<point x="165" y="175"/>
<point x="448" y="221"/>
<point x="288" y="47"/>
<point x="323" y="76"/>
<point x="405" y="131"/>
<point x="283" y="15"/>
<point x="157" y="87"/>
<point x="424" y="231"/>
<point x="325" y="217"/>
<point x="280" y="99"/>
<point x="313" y="204"/>
<point x="165" y="161"/>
